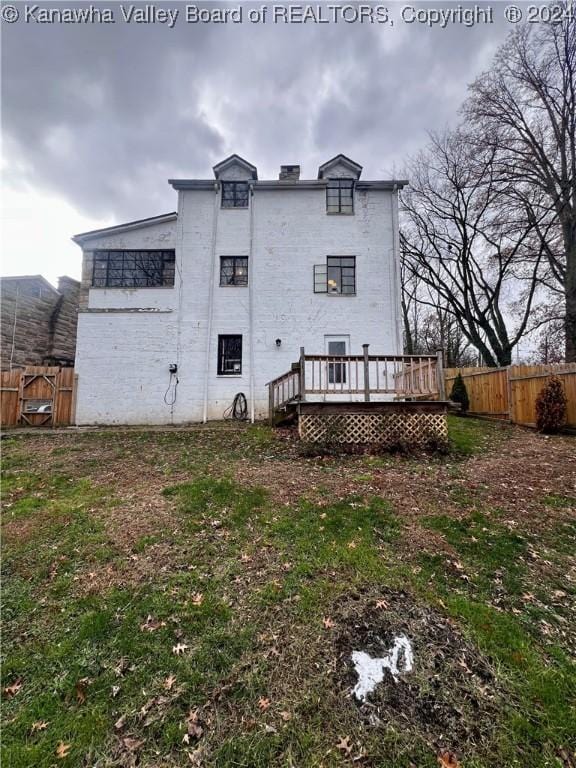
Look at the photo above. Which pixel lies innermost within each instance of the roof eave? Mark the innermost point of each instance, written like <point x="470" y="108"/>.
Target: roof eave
<point x="82" y="237"/>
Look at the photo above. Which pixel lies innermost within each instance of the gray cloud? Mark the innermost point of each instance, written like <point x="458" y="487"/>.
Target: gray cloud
<point x="104" y="114"/>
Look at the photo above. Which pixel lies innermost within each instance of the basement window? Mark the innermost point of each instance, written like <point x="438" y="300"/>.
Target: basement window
<point x="340" y="196"/>
<point x="229" y="355"/>
<point x="133" y="269"/>
<point x="337" y="276"/>
<point x="234" y="194"/>
<point x="233" y="270"/>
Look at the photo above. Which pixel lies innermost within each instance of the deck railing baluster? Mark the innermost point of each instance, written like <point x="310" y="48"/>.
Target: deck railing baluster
<point x="404" y="376"/>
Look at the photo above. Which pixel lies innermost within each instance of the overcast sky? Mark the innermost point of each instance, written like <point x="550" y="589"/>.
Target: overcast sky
<point x="96" y="117"/>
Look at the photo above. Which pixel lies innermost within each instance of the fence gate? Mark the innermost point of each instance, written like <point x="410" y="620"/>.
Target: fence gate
<point x="37" y="396"/>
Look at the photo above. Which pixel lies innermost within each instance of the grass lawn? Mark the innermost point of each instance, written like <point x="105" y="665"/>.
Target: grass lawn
<point x="193" y="597"/>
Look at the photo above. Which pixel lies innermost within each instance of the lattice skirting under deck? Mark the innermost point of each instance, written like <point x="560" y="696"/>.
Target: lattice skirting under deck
<point x="418" y="429"/>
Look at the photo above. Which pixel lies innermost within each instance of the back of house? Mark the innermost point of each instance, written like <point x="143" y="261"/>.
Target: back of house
<point x="181" y="312"/>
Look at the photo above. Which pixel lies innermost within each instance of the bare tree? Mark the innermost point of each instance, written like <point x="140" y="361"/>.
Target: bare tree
<point x="429" y="325"/>
<point x="524" y="110"/>
<point x="468" y="245"/>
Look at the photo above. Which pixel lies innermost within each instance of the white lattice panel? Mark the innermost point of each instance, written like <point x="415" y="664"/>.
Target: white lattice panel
<point x="382" y="428"/>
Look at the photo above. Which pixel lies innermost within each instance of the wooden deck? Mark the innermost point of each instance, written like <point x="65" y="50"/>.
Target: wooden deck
<point x="365" y="398"/>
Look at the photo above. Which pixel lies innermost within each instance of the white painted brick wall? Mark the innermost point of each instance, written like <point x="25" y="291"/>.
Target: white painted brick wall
<point x="123" y="358"/>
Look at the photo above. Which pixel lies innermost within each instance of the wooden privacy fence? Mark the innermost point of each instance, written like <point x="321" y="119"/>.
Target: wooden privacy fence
<point x="37" y="396"/>
<point x="510" y="393"/>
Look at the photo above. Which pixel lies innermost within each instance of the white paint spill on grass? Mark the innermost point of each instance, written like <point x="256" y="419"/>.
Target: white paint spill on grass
<point x="400" y="659"/>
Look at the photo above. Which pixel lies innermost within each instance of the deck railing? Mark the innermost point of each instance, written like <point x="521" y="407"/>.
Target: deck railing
<point x="403" y="376"/>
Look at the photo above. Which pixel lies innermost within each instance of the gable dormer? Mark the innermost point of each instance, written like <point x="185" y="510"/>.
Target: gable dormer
<point x="235" y="168"/>
<point x="340" y="167"/>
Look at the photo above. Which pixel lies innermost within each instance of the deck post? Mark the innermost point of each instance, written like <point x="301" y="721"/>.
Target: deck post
<point x="366" y="373"/>
<point x="440" y="374"/>
<point x="302" y="374"/>
<point x="271" y="403"/>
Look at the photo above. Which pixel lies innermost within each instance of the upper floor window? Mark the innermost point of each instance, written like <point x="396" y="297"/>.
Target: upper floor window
<point x="233" y="270"/>
<point x="340" y="196"/>
<point x="229" y="355"/>
<point x="133" y="269"/>
<point x="337" y="276"/>
<point x="234" y="194"/>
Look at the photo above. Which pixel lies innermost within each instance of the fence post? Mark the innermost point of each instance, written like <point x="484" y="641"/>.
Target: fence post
<point x="366" y="373"/>
<point x="440" y="374"/>
<point x="302" y="374"/>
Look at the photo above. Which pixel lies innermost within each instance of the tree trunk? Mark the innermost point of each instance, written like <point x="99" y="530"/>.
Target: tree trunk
<point x="570" y="294"/>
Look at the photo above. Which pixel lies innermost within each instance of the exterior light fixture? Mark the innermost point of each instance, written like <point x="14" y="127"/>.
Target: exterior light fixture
<point x="278" y="342"/>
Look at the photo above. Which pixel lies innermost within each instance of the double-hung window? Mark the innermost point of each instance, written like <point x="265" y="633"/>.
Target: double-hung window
<point x="337" y="276"/>
<point x="340" y="196"/>
<point x="233" y="270"/>
<point x="229" y="355"/>
<point x="133" y="269"/>
<point x="235" y="194"/>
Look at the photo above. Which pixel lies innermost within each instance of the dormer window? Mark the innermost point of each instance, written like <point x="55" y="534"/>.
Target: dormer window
<point x="340" y="196"/>
<point x="234" y="194"/>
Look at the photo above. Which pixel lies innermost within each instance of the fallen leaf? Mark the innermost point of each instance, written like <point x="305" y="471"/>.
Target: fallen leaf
<point x="352" y="545"/>
<point x="132" y="744"/>
<point x="568" y="759"/>
<point x="193" y="727"/>
<point x="62" y="750"/>
<point x="381" y="604"/>
<point x="115" y="691"/>
<point x="120" y="723"/>
<point x="328" y="623"/>
<point x="448" y="760"/>
<point x="197" y="598"/>
<point x="39" y="725"/>
<point x="80" y="690"/>
<point x="196" y="756"/>
<point x="344" y="745"/>
<point x="179" y="649"/>
<point x="151" y="624"/>
<point x="169" y="682"/>
<point x="13" y="688"/>
<point x="263" y="703"/>
<point x="121" y="667"/>
<point x="286" y="716"/>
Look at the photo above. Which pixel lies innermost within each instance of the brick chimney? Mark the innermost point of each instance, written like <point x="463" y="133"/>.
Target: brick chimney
<point x="289" y="173"/>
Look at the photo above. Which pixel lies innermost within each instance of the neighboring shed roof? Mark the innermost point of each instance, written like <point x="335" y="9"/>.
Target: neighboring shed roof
<point x="30" y="278"/>
<point x="165" y="217"/>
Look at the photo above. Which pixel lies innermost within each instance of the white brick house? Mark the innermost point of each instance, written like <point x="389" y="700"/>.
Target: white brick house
<point x="230" y="287"/>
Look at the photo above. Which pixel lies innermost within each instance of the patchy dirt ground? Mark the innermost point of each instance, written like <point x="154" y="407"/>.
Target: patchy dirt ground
<point x="450" y="697"/>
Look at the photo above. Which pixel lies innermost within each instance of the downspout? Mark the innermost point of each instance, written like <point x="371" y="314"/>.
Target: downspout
<point x="210" y="300"/>
<point x="180" y="271"/>
<point x="251" y="280"/>
<point x="395" y="256"/>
